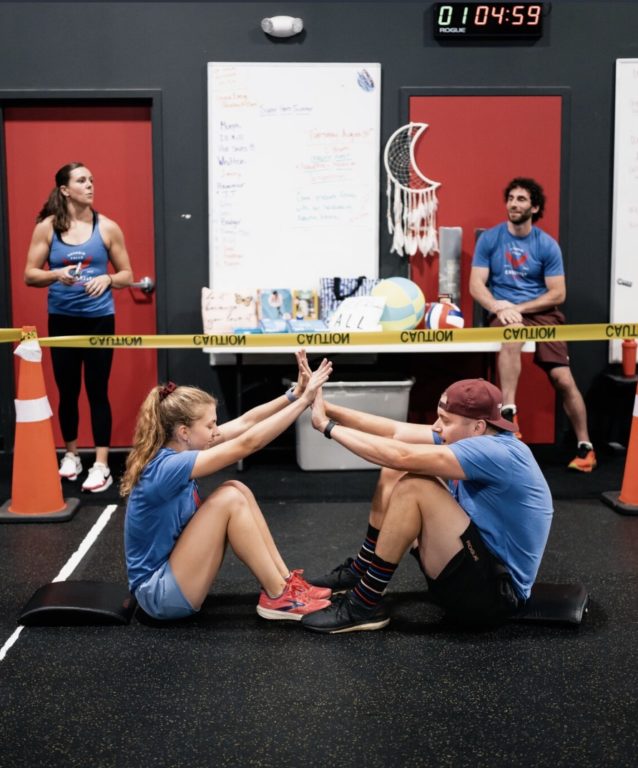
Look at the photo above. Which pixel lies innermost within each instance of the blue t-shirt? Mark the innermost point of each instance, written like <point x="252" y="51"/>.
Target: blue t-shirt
<point x="518" y="265"/>
<point x="92" y="258"/>
<point x="161" y="503"/>
<point x="508" y="499"/>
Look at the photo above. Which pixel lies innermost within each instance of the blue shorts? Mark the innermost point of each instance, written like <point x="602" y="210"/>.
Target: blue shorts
<point x="161" y="597"/>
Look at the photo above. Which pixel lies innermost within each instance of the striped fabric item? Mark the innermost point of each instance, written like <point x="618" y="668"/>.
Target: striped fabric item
<point x="374" y="583"/>
<point x="364" y="559"/>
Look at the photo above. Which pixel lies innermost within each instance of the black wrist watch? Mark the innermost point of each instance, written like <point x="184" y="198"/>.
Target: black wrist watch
<point x="329" y="427"/>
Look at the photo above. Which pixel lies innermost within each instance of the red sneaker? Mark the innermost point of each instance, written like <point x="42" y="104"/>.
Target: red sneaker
<point x="316" y="593"/>
<point x="291" y="605"/>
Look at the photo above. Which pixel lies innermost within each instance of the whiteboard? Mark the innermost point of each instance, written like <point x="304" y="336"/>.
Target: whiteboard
<point x="293" y="173"/>
<point x="624" y="247"/>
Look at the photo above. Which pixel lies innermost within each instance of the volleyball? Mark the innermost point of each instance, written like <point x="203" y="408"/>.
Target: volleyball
<point x="443" y="314"/>
<point x="404" y="303"/>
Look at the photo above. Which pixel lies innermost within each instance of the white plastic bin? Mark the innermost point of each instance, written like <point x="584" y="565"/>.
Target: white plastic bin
<point x="382" y="398"/>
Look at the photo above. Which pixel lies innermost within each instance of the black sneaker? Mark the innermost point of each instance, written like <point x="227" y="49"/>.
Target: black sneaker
<point x="340" y="579"/>
<point x="346" y="615"/>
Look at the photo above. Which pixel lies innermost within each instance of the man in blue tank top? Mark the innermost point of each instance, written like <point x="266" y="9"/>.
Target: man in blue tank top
<point x="479" y="538"/>
<point x="518" y="277"/>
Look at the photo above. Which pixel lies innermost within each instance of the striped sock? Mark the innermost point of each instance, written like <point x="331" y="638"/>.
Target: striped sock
<point x="374" y="582"/>
<point x="362" y="561"/>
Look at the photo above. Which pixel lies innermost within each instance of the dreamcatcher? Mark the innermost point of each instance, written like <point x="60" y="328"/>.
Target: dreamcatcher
<point x="411" y="195"/>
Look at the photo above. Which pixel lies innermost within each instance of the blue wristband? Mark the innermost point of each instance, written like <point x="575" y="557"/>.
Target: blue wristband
<point x="290" y="394"/>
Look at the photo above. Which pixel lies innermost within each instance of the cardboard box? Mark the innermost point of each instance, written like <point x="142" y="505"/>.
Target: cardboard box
<point x="382" y="398"/>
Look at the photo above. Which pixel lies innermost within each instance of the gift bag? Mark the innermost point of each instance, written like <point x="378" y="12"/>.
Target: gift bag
<point x="333" y="290"/>
<point x="224" y="311"/>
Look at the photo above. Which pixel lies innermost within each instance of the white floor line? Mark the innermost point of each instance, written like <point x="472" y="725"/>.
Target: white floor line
<point x="71" y="564"/>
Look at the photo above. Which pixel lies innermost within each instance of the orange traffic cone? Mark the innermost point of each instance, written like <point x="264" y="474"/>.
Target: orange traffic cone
<point x="36" y="486"/>
<point x="626" y="502"/>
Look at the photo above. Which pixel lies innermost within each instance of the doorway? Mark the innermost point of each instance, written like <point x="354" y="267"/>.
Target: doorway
<point x="115" y="143"/>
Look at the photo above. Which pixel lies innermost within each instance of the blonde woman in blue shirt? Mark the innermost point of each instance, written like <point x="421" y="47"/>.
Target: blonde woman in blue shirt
<point x="174" y="542"/>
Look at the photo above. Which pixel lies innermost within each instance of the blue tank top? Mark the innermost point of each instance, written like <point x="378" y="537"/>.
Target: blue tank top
<point x="91" y="258"/>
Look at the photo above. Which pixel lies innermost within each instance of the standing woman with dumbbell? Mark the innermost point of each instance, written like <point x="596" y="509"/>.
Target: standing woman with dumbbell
<point x="71" y="248"/>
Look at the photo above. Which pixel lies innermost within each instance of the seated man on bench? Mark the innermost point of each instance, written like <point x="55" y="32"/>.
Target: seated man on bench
<point x="479" y="537"/>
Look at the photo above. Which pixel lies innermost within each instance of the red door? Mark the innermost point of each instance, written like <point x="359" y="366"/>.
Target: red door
<point x="115" y="144"/>
<point x="474" y="145"/>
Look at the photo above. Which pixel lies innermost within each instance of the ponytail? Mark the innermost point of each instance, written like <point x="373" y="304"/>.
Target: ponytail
<point x="163" y="410"/>
<point x="56" y="202"/>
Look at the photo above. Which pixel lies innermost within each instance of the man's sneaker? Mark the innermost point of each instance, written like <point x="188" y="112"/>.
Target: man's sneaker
<point x="316" y="593"/>
<point x="98" y="479"/>
<point x="70" y="466"/>
<point x="585" y="460"/>
<point x="510" y="415"/>
<point x="346" y="614"/>
<point x="291" y="605"/>
<point x="340" y="579"/>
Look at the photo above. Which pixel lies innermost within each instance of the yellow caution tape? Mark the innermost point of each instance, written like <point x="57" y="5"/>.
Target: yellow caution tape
<point x="10" y="334"/>
<point x="424" y="337"/>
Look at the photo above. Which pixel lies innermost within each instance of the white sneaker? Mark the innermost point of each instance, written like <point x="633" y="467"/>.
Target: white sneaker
<point x="70" y="466"/>
<point x="99" y="478"/>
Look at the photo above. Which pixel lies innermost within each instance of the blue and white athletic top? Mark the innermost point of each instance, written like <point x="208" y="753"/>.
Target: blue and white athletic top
<point x="518" y="266"/>
<point x="92" y="259"/>
<point x="507" y="498"/>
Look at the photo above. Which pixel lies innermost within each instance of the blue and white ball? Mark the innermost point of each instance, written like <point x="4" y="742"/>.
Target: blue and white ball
<point x="404" y="303"/>
<point x="443" y="314"/>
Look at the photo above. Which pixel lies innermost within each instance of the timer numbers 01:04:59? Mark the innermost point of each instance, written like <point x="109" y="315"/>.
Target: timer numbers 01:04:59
<point x="488" y="20"/>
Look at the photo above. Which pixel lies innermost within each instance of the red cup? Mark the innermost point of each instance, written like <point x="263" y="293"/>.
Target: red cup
<point x="629" y="357"/>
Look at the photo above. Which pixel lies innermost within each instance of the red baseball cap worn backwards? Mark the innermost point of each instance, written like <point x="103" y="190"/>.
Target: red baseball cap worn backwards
<point x="476" y="399"/>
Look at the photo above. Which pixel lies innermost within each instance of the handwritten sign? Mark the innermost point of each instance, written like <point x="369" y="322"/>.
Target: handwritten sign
<point x="294" y="165"/>
<point x="224" y="311"/>
<point x="358" y="313"/>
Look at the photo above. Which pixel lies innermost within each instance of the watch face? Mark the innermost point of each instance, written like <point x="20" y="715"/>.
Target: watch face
<point x="488" y="20"/>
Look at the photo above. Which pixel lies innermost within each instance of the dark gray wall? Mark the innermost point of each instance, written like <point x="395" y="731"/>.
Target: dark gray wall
<point x="165" y="46"/>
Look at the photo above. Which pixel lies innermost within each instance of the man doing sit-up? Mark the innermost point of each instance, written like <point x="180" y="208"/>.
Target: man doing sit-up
<point x="479" y="537"/>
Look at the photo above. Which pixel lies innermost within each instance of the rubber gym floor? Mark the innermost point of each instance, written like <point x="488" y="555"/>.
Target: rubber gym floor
<point x="230" y="689"/>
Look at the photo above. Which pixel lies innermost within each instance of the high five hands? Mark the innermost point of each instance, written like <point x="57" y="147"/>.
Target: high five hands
<point x="309" y="382"/>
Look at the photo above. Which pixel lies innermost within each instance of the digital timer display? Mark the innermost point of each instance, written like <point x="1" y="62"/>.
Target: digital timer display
<point x="495" y="20"/>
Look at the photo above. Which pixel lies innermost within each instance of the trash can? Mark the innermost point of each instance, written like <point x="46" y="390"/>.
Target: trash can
<point x="382" y="398"/>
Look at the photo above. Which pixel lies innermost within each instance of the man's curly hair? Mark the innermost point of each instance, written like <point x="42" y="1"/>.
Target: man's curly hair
<point x="536" y="194"/>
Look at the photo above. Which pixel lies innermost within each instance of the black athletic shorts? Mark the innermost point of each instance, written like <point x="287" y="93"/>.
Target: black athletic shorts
<point x="474" y="587"/>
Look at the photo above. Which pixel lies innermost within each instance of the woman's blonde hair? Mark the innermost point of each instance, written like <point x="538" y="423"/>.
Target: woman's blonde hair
<point x="165" y="408"/>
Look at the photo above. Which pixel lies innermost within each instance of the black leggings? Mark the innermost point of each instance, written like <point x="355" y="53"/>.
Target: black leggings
<point x="67" y="369"/>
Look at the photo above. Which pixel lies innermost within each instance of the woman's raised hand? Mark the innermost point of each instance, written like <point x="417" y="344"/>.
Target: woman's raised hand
<point x="317" y="379"/>
<point x="304" y="372"/>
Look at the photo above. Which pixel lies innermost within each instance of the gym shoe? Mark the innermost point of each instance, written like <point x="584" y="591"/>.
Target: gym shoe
<point x="70" y="466"/>
<point x="291" y="605"/>
<point x="316" y="593"/>
<point x="339" y="580"/>
<point x="585" y="460"/>
<point x="510" y="415"/>
<point x="346" y="614"/>
<point x="98" y="479"/>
